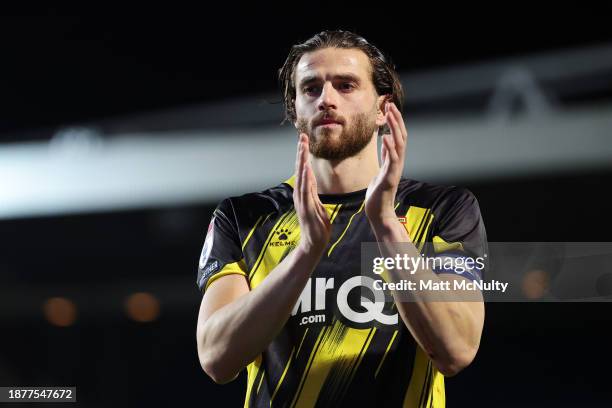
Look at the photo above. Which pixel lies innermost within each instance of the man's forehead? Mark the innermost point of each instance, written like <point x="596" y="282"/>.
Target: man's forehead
<point x="329" y="61"/>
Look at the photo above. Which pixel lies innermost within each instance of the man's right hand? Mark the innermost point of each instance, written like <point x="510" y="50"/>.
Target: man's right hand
<point x="230" y="334"/>
<point x="314" y="222"/>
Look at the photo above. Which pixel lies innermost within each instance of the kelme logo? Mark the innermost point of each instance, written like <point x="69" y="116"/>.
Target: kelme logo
<point x="282" y="237"/>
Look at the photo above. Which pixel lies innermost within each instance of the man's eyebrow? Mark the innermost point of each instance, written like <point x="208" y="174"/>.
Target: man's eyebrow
<point x="308" y="79"/>
<point x="342" y="77"/>
<point x="347" y="77"/>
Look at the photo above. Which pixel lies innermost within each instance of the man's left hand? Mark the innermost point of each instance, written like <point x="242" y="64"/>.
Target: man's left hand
<point x="380" y="196"/>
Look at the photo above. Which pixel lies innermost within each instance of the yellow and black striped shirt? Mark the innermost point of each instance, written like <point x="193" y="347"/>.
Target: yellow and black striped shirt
<point x="322" y="357"/>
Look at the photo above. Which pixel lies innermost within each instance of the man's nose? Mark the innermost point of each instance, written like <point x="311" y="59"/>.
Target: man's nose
<point x="327" y="99"/>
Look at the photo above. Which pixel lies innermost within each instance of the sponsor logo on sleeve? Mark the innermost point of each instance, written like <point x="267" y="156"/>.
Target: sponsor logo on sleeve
<point x="209" y="270"/>
<point x="208" y="244"/>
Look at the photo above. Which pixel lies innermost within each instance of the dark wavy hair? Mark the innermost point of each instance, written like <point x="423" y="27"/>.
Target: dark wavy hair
<point x="384" y="77"/>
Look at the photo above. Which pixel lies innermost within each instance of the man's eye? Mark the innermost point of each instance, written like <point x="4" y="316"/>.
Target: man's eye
<point x="311" y="89"/>
<point x="347" y="86"/>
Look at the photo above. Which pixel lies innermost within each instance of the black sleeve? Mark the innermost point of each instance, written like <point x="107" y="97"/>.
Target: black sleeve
<point x="221" y="253"/>
<point x="459" y="236"/>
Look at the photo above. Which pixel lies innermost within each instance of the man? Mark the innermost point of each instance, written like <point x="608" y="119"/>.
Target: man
<point x="278" y="267"/>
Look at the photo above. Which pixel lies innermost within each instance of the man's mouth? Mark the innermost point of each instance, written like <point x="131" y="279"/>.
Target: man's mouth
<point x="328" y="122"/>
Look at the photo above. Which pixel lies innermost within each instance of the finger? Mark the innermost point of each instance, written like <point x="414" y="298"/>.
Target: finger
<point x="384" y="169"/>
<point x="313" y="185"/>
<point x="312" y="182"/>
<point x="390" y="164"/>
<point x="323" y="216"/>
<point x="395" y="131"/>
<point x="391" y="149"/>
<point x="314" y="196"/>
<point x="304" y="159"/>
<point x="321" y="213"/>
<point x="298" y="164"/>
<point x="400" y="147"/>
<point x="383" y="151"/>
<point x="400" y="120"/>
<point x="318" y="206"/>
<point x="390" y="146"/>
<point x="313" y="179"/>
<point x="305" y="190"/>
<point x="301" y="150"/>
<point x="308" y="180"/>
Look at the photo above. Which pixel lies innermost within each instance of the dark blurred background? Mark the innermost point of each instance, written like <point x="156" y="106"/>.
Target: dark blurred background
<point x="120" y="133"/>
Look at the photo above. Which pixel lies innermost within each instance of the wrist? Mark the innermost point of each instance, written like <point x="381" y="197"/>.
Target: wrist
<point x="383" y="219"/>
<point x="389" y="229"/>
<point x="309" y="252"/>
<point x="380" y="213"/>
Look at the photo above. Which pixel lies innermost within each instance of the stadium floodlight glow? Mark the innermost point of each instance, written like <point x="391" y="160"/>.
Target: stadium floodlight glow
<point x="181" y="168"/>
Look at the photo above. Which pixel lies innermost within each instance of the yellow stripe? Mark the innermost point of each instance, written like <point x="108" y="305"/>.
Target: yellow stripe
<point x="426" y="392"/>
<point x="278" y="223"/>
<point x="435" y="397"/>
<point x="260" y="382"/>
<point x="271" y="255"/>
<point x="350" y="348"/>
<point x="290" y="181"/>
<point x="362" y="354"/>
<point x="418" y="383"/>
<point x="332" y="212"/>
<point x="308" y="364"/>
<point x="267" y="241"/>
<point x="301" y="342"/>
<point x="414" y="216"/>
<point x="440" y="245"/>
<point x="382" y="360"/>
<point x="252" y="371"/>
<point x="282" y="376"/>
<point x="345" y="229"/>
<point x="438" y="395"/>
<point x="252" y="230"/>
<point x="422" y="233"/>
<point x="229" y="269"/>
<point x="416" y="223"/>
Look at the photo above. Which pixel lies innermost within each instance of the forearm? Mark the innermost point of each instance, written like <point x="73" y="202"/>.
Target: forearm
<point x="238" y="332"/>
<point x="448" y="330"/>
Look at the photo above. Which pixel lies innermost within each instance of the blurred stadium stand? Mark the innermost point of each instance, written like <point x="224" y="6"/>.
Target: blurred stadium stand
<point x="541" y="114"/>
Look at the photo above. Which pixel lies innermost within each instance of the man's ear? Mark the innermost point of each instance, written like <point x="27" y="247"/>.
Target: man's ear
<point x="381" y="103"/>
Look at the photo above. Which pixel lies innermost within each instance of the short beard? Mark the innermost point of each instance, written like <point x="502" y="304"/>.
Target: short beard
<point x="351" y="141"/>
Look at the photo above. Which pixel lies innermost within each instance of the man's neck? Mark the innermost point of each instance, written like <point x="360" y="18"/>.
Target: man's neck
<point x="351" y="174"/>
